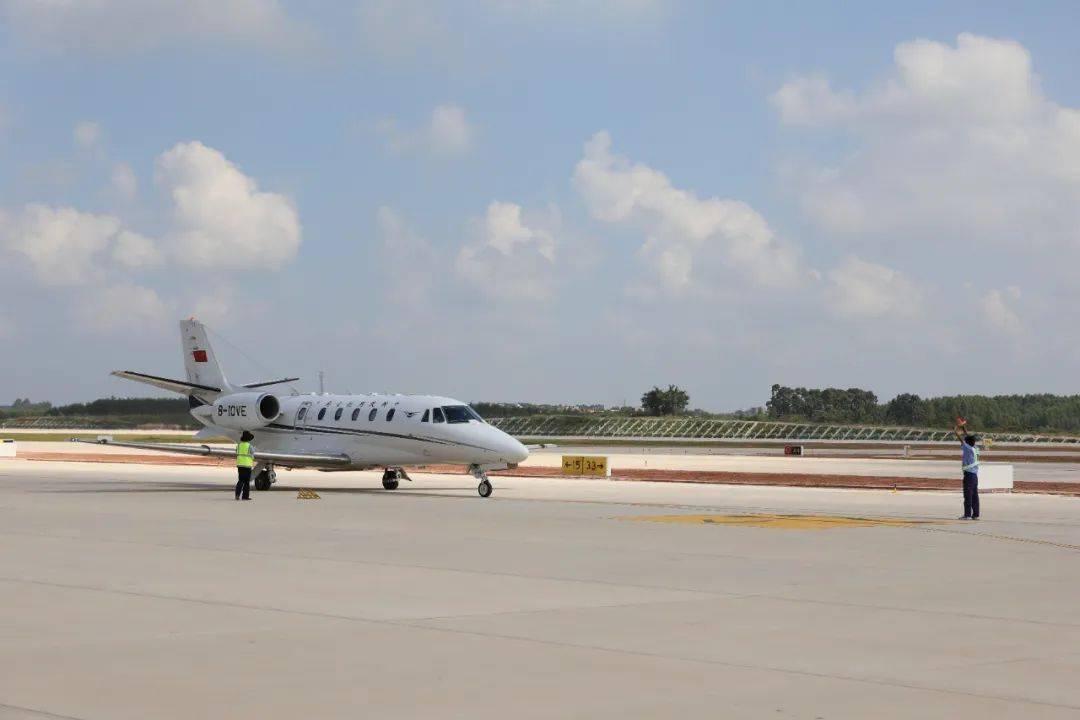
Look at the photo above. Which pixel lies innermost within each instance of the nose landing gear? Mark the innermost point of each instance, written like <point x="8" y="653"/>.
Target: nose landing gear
<point x="484" y="488"/>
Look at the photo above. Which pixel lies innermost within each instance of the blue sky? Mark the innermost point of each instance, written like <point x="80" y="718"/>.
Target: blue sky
<point x="542" y="200"/>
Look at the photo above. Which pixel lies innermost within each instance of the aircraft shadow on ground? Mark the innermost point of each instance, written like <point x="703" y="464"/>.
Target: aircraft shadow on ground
<point x="148" y="488"/>
<point x="434" y="492"/>
<point x="157" y="487"/>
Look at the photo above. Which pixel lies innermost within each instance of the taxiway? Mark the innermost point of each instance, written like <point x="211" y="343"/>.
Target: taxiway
<point x="147" y="591"/>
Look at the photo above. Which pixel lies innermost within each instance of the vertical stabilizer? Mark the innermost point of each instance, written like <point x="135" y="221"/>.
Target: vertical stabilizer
<point x="199" y="359"/>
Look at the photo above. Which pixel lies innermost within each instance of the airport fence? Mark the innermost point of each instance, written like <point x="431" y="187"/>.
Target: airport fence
<point x="622" y="427"/>
<point x="695" y="428"/>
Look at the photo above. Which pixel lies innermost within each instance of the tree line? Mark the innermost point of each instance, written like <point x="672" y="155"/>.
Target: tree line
<point x="1037" y="412"/>
<point x="172" y="408"/>
<point x="140" y="410"/>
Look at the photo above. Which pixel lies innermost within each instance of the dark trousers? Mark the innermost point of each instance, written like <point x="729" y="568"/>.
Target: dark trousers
<point x="243" y="485"/>
<point x="971" y="495"/>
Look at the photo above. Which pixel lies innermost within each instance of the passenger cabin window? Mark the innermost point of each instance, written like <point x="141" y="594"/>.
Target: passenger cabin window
<point x="437" y="416"/>
<point x="371" y="415"/>
<point x="322" y="413"/>
<point x="426" y="414"/>
<point x="460" y="414"/>
<point x="355" y="414"/>
<point x="390" y="415"/>
<point x="300" y="415"/>
<point x="337" y="415"/>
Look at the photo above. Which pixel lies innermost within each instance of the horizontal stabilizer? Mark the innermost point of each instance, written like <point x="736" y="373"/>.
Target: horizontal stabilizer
<point x="285" y="459"/>
<point x="268" y="383"/>
<point x="180" y="386"/>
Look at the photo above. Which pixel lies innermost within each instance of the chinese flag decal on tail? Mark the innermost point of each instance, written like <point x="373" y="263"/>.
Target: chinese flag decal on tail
<point x="199" y="355"/>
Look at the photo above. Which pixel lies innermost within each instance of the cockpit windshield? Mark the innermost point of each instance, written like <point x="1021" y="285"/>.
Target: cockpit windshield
<point x="460" y="414"/>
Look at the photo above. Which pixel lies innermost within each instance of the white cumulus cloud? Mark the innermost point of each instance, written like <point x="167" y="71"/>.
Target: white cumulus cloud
<point x="998" y="313"/>
<point x="400" y="28"/>
<point x="399" y="239"/>
<point x="447" y="132"/>
<point x="861" y="290"/>
<point x="110" y="27"/>
<point x="62" y="245"/>
<point x="958" y="142"/>
<point x="217" y="305"/>
<point x="123" y="184"/>
<point x="132" y="250"/>
<point x="510" y="259"/>
<point x="810" y="100"/>
<point x="691" y="243"/>
<point x="122" y="308"/>
<point x="220" y="217"/>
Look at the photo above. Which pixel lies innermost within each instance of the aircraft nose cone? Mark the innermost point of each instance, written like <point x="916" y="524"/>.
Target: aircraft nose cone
<point x="518" y="452"/>
<point x="510" y="450"/>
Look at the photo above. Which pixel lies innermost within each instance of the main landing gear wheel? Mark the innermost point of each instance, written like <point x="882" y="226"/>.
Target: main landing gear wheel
<point x="264" y="480"/>
<point x="390" y="480"/>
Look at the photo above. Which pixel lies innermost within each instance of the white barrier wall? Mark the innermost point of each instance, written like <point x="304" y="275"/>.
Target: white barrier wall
<point x="995" y="476"/>
<point x="7" y="448"/>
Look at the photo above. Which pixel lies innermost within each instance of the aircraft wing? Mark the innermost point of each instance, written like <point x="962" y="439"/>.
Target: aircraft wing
<point x="285" y="459"/>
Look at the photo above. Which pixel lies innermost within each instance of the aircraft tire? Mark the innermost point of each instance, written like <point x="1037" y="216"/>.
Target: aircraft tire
<point x="390" y="484"/>
<point x="484" y="488"/>
<point x="262" y="481"/>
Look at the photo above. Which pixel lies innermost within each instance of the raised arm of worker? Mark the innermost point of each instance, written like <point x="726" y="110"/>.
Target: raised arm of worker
<point x="960" y="429"/>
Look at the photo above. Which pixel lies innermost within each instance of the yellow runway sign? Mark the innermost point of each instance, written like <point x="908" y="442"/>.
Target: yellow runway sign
<point x="780" y="522"/>
<point x="591" y="465"/>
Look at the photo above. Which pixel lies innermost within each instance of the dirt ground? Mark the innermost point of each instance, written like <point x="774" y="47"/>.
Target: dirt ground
<point x="132" y="458"/>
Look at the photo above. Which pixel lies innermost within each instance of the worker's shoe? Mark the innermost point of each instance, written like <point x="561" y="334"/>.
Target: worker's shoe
<point x="964" y="517"/>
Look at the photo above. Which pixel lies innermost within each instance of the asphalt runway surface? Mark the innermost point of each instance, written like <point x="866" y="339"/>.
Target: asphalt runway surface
<point x="147" y="591"/>
<point x="1061" y="465"/>
<point x="744" y="460"/>
<point x="1028" y="465"/>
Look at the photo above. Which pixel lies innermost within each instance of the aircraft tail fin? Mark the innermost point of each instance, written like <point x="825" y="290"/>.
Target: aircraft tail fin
<point x="199" y="359"/>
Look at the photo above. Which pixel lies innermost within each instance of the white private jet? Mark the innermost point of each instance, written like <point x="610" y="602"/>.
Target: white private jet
<point x="329" y="432"/>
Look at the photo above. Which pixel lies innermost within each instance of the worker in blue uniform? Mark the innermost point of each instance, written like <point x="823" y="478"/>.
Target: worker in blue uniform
<point x="969" y="454"/>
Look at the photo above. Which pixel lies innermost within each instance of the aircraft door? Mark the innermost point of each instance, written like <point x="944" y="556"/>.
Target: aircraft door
<point x="302" y="413"/>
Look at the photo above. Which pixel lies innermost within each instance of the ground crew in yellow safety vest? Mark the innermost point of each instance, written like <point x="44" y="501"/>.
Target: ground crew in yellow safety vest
<point x="245" y="460"/>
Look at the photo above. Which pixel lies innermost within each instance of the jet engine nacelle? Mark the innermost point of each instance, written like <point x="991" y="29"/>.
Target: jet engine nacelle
<point x="245" y="411"/>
